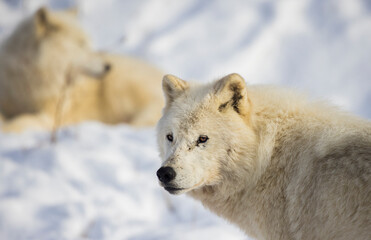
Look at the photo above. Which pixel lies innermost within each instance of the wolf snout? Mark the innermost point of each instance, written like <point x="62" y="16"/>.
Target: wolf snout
<point x="166" y="174"/>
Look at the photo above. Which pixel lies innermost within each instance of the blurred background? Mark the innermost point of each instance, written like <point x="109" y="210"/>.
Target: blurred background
<point x="98" y="181"/>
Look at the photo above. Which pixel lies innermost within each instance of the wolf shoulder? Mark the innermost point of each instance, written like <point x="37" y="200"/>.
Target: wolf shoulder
<point x="327" y="156"/>
<point x="313" y="132"/>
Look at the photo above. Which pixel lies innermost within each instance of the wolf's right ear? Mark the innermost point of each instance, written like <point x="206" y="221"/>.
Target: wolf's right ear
<point x="73" y="11"/>
<point x="173" y="87"/>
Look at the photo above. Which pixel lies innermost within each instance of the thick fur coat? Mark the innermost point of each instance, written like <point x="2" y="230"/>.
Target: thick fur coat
<point x="267" y="159"/>
<point x="48" y="70"/>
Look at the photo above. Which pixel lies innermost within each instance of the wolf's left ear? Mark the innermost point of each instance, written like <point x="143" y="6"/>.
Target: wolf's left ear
<point x="173" y="87"/>
<point x="232" y="94"/>
<point x="42" y="17"/>
<point x="43" y="22"/>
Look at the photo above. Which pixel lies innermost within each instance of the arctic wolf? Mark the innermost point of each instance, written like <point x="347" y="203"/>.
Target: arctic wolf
<point x="48" y="59"/>
<point x="267" y="159"/>
<point x="36" y="57"/>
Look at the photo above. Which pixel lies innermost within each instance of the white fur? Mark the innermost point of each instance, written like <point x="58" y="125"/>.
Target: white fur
<point x="276" y="164"/>
<point x="48" y="70"/>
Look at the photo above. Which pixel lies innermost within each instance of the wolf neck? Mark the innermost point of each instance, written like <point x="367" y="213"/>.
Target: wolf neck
<point x="227" y="203"/>
<point x="230" y="196"/>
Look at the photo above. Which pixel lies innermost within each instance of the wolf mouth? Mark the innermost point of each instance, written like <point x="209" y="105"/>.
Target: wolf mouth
<point x="173" y="189"/>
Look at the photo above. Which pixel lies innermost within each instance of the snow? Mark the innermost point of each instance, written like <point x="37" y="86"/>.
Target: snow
<point x="98" y="181"/>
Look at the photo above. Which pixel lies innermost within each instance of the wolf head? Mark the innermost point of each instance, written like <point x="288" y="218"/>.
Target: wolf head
<point x="61" y="30"/>
<point x="53" y="40"/>
<point x="204" y="133"/>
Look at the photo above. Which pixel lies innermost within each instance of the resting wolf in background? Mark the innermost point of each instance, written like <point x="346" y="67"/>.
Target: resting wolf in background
<point x="266" y="159"/>
<point x="48" y="48"/>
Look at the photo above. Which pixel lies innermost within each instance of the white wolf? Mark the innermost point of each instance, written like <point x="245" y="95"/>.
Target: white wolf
<point x="49" y="49"/>
<point x="35" y="58"/>
<point x="266" y="159"/>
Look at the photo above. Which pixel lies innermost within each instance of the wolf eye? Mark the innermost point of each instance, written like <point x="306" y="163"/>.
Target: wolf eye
<point x="202" y="139"/>
<point x="169" y="137"/>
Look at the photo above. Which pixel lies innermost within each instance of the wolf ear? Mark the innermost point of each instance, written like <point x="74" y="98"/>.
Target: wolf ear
<point x="73" y="11"/>
<point x="173" y="87"/>
<point x="41" y="16"/>
<point x="232" y="94"/>
<point x="43" y="22"/>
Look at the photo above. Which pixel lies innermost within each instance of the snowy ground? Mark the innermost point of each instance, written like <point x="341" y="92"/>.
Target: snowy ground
<point x="98" y="182"/>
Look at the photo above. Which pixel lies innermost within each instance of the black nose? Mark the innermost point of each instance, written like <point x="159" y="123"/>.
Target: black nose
<point x="166" y="174"/>
<point x="107" y="67"/>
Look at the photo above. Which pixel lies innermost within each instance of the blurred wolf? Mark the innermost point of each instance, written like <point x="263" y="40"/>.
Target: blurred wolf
<point x="48" y="61"/>
<point x="267" y="159"/>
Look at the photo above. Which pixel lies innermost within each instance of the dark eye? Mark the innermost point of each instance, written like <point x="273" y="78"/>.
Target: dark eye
<point x="169" y="137"/>
<point x="202" y="139"/>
